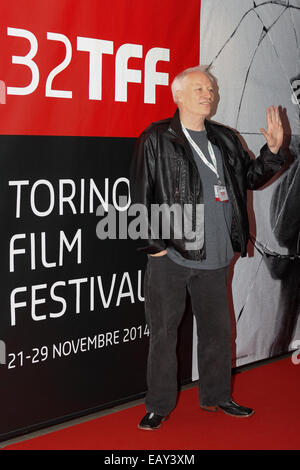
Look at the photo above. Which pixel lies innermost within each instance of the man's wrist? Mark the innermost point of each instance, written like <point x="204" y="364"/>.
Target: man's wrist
<point x="274" y="150"/>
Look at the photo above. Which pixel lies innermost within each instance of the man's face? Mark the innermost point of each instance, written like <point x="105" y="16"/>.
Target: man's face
<point x="197" y="95"/>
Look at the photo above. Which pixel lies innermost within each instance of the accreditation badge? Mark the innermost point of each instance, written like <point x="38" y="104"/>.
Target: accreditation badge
<point x="221" y="193"/>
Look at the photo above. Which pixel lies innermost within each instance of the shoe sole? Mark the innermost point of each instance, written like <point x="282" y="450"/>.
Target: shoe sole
<point x="144" y="428"/>
<point x="210" y="409"/>
<point x="237" y="416"/>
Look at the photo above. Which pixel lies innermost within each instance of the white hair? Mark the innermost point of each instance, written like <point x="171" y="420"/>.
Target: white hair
<point x="177" y="82"/>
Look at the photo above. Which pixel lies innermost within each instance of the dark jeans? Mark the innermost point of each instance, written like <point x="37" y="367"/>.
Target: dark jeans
<point x="166" y="286"/>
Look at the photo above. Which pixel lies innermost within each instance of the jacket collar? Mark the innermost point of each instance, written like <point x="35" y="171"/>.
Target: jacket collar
<point x="175" y="125"/>
<point x="210" y="131"/>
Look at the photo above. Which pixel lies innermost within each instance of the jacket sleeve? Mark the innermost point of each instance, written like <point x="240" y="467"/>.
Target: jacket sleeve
<point x="285" y="207"/>
<point x="263" y="168"/>
<point x="142" y="191"/>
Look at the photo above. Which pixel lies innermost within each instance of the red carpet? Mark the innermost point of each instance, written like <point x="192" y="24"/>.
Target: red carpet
<point x="272" y="389"/>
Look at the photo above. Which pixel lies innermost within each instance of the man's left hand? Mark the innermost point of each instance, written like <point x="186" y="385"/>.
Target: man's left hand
<point x="274" y="132"/>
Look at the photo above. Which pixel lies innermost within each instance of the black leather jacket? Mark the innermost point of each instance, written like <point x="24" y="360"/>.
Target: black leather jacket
<point x="163" y="170"/>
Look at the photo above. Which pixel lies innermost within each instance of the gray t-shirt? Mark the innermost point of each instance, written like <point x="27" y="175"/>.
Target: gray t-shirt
<point x="217" y="215"/>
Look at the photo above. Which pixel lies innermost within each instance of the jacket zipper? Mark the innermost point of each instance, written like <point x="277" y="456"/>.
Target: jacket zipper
<point x="197" y="178"/>
<point x="233" y="203"/>
<point x="177" y="184"/>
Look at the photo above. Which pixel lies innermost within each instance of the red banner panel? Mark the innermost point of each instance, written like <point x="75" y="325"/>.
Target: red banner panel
<point x="92" y="68"/>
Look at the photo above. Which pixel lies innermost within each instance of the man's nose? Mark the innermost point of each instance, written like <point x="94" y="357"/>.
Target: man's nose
<point x="207" y="94"/>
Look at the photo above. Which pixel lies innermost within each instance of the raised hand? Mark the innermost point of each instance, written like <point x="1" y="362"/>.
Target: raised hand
<point x="274" y="132"/>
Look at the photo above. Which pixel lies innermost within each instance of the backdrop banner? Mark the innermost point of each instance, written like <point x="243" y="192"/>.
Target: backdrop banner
<point x="253" y="49"/>
<point x="79" y="81"/>
<point x="78" y="85"/>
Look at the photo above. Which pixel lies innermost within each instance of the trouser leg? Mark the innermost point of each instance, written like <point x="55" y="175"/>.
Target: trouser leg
<point x="165" y="296"/>
<point x="208" y="290"/>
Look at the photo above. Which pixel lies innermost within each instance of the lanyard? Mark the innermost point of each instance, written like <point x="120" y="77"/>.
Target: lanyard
<point x="213" y="167"/>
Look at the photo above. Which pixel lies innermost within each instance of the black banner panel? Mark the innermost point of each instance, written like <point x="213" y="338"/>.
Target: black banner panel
<point x="73" y="324"/>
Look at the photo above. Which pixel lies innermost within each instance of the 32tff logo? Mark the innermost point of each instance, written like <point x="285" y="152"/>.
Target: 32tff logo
<point x="96" y="49"/>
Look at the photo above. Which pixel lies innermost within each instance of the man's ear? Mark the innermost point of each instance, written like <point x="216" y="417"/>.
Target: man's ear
<point x="179" y="96"/>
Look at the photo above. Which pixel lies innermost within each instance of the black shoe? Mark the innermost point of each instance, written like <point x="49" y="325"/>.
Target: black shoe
<point x="233" y="409"/>
<point x="151" y="421"/>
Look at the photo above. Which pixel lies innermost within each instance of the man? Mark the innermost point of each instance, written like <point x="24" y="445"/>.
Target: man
<point x="188" y="160"/>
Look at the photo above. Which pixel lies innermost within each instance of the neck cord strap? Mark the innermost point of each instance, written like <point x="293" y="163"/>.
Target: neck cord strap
<point x="212" y="166"/>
